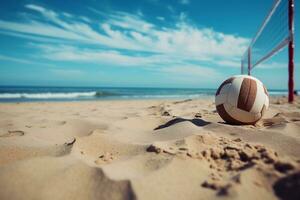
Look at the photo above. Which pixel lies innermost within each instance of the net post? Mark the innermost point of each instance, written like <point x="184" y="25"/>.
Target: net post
<point x="291" y="51"/>
<point x="249" y="60"/>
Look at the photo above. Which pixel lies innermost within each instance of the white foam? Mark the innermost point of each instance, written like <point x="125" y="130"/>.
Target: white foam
<point x="48" y="95"/>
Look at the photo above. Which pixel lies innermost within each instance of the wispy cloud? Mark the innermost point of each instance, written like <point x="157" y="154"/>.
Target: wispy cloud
<point x="184" y="2"/>
<point x="35" y="28"/>
<point x="126" y="31"/>
<point x="67" y="73"/>
<point x="8" y="58"/>
<point x="19" y="60"/>
<point x="129" y="21"/>
<point x="229" y="63"/>
<point x="192" y="71"/>
<point x="160" y="18"/>
<point x="126" y="39"/>
<point x="273" y="65"/>
<point x="85" y="19"/>
<point x="102" y="57"/>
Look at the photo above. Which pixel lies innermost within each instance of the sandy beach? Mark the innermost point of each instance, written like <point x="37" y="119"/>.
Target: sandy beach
<point x="146" y="149"/>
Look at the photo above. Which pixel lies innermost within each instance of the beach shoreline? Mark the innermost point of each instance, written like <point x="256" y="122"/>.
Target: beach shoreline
<point x="66" y="94"/>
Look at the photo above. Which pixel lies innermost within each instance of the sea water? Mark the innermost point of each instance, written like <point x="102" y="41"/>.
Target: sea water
<point x="39" y="93"/>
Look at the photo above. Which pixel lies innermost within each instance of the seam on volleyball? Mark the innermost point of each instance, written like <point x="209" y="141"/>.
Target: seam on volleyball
<point x="226" y="116"/>
<point x="235" y="100"/>
<point x="237" y="121"/>
<point x="243" y="99"/>
<point x="221" y="94"/>
<point x="228" y="92"/>
<point x="247" y="99"/>
<point x="228" y="81"/>
<point x="228" y="111"/>
<point x="256" y="84"/>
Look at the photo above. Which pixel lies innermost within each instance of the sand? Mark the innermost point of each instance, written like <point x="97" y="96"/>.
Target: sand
<point x="146" y="149"/>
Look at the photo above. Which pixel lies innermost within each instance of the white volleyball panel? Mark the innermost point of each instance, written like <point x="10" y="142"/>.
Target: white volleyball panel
<point x="242" y="116"/>
<point x="234" y="91"/>
<point x="228" y="107"/>
<point x="225" y="89"/>
<point x="259" y="99"/>
<point x="221" y="99"/>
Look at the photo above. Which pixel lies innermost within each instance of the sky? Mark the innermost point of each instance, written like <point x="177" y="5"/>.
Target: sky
<point x="134" y="43"/>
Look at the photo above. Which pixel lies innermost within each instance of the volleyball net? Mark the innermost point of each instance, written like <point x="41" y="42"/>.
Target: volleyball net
<point x="275" y="33"/>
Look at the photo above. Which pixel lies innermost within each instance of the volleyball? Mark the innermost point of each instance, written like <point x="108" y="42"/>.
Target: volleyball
<point x="241" y="100"/>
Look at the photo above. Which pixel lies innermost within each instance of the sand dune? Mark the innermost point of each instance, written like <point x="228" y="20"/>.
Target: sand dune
<point x="147" y="149"/>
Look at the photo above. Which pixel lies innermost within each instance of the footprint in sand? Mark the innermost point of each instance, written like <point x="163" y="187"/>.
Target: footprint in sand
<point x="288" y="121"/>
<point x="105" y="158"/>
<point x="198" y="115"/>
<point x="271" y="122"/>
<point x="102" y="149"/>
<point x="291" y="116"/>
<point x="13" y="133"/>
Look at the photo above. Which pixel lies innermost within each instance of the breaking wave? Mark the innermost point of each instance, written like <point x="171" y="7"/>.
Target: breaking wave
<point x="50" y="95"/>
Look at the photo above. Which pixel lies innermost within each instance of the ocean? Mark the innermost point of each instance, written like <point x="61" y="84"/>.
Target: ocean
<point x="35" y="93"/>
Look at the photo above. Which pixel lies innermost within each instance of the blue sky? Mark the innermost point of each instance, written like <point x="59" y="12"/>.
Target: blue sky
<point x="143" y="43"/>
